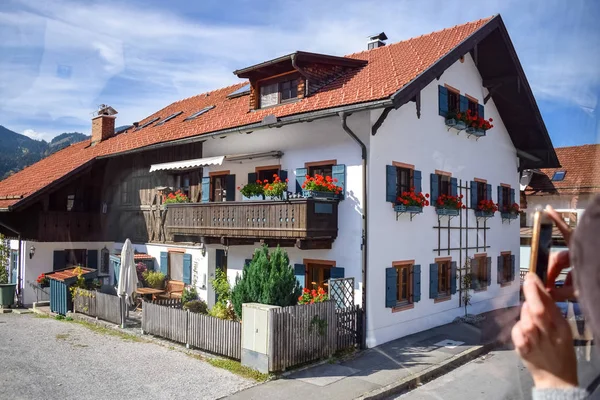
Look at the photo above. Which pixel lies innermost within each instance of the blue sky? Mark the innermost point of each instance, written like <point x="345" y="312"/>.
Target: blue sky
<point x="60" y="59"/>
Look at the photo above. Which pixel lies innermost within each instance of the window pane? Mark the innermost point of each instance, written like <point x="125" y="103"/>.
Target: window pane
<point x="269" y="95"/>
<point x="176" y="266"/>
<point x="473" y="107"/>
<point x="323" y="170"/>
<point x="453" y="102"/>
<point x="294" y="89"/>
<point x="267" y="174"/>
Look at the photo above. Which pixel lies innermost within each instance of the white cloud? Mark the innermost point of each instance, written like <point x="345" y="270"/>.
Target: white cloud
<point x="30" y="133"/>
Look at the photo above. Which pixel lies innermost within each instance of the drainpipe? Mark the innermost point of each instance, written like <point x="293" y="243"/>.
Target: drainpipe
<point x="343" y="115"/>
<point x="297" y="68"/>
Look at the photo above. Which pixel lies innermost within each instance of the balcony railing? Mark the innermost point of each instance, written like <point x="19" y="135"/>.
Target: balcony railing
<point x="298" y="219"/>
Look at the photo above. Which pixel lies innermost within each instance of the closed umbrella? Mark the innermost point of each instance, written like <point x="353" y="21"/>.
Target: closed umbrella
<point x="127" y="279"/>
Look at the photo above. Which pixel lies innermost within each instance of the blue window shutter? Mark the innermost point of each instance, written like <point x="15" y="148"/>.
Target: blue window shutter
<point x="453" y="186"/>
<point x="116" y="262"/>
<point x="434" y="189"/>
<point x="300" y="178"/>
<point x="59" y="260"/>
<point x="283" y="175"/>
<point x="488" y="191"/>
<point x="453" y="277"/>
<point x="433" y="281"/>
<point x="339" y="172"/>
<point x="391" y="179"/>
<point x="230" y="188"/>
<point x="489" y="270"/>
<point x="480" y="111"/>
<point x="300" y="273"/>
<point x="337" y="272"/>
<point x="512" y="197"/>
<point x="205" y="190"/>
<point x="187" y="269"/>
<point x="252" y="177"/>
<point x="164" y="262"/>
<point x="513" y="265"/>
<point x="416" y="270"/>
<point x="391" y="295"/>
<point x="92" y="259"/>
<point x="464" y="103"/>
<point x="500" y="270"/>
<point x="474" y="195"/>
<point x="417" y="181"/>
<point x="500" y="199"/>
<point x="443" y="100"/>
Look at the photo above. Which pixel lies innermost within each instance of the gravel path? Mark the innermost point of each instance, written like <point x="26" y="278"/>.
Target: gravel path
<point x="41" y="358"/>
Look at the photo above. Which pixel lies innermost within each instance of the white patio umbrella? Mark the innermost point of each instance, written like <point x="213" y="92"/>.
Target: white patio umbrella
<point x="127" y="279"/>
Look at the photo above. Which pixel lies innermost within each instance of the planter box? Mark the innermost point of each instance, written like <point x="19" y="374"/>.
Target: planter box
<point x="307" y="194"/>
<point x="506" y="215"/>
<point x="451" y="212"/>
<point x="485" y="214"/>
<point x="410" y="209"/>
<point x="479" y="132"/>
<point x="451" y="122"/>
<point x="471" y="131"/>
<point x="7" y="294"/>
<point x="259" y="197"/>
<point x="460" y="125"/>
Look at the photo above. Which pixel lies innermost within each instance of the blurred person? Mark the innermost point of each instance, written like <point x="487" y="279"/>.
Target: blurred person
<point x="543" y="338"/>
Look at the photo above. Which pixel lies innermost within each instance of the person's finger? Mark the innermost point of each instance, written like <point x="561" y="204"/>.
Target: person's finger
<point x="556" y="263"/>
<point x="539" y="303"/>
<point x="563" y="293"/>
<point x="528" y="328"/>
<point x="560" y="223"/>
<point x="519" y="340"/>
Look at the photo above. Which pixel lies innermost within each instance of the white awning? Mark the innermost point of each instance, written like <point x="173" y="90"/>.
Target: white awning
<point x="187" y="164"/>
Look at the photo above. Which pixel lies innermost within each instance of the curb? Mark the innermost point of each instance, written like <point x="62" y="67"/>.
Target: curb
<point x="411" y="382"/>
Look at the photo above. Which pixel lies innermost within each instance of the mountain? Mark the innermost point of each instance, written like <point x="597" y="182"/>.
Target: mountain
<point x="18" y="151"/>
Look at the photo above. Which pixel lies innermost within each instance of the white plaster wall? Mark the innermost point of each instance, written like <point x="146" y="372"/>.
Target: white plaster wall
<point x="427" y="143"/>
<point x="315" y="141"/>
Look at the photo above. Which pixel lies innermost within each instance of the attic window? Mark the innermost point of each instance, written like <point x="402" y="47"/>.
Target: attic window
<point x="148" y="123"/>
<point x="199" y="113"/>
<point x="559" y="176"/>
<point x="275" y="93"/>
<point x="170" y="117"/>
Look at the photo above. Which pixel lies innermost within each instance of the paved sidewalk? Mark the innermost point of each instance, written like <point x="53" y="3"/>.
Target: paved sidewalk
<point x="392" y="367"/>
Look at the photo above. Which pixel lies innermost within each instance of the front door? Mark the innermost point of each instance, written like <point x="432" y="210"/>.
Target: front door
<point x="317" y="275"/>
<point x="220" y="264"/>
<point x="219" y="188"/>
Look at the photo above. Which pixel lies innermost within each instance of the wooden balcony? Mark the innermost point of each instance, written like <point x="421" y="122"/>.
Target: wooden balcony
<point x="305" y="223"/>
<point x="67" y="226"/>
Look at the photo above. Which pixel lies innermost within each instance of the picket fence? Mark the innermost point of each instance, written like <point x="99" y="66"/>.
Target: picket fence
<point x="96" y="304"/>
<point x="204" y="332"/>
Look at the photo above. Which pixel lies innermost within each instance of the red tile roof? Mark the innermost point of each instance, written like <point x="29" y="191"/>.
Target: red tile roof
<point x="389" y="69"/>
<point x="582" y="167"/>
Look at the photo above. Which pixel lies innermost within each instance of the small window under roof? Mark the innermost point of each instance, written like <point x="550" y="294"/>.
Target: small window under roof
<point x="559" y="176"/>
<point x="240" y="92"/>
<point x="199" y="113"/>
<point x="170" y="117"/>
<point x="148" y="123"/>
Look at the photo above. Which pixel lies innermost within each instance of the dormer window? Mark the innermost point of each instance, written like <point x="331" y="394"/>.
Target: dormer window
<point x="275" y="93"/>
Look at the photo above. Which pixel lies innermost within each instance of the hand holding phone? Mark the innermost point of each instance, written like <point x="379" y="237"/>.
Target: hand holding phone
<point x="541" y="242"/>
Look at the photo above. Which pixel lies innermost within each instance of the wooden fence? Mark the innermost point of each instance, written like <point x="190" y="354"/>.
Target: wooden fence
<point x="349" y="330"/>
<point x="301" y="334"/>
<point x="173" y="303"/>
<point x="201" y="331"/>
<point x="96" y="304"/>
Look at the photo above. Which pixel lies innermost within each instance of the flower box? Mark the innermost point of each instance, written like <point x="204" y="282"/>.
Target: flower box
<point x="451" y="122"/>
<point x="258" y="197"/>
<point x="320" y="195"/>
<point x="479" y="132"/>
<point x="484" y="214"/>
<point x="410" y="209"/>
<point x="471" y="131"/>
<point x="508" y="215"/>
<point x="460" y="125"/>
<point x="451" y="212"/>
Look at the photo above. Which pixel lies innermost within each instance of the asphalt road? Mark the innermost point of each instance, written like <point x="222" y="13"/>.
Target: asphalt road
<point x="498" y="375"/>
<point x="41" y="358"/>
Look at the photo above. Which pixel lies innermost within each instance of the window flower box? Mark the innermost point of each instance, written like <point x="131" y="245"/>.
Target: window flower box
<point x="471" y="131"/>
<point x="315" y="194"/>
<point x="509" y="215"/>
<point x="258" y="197"/>
<point x="411" y="209"/>
<point x="450" y="212"/>
<point x="450" y="122"/>
<point x="479" y="132"/>
<point x="484" y="214"/>
<point x="456" y="124"/>
<point x="321" y="187"/>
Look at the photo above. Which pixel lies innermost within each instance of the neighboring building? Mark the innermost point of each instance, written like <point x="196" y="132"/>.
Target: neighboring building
<point x="374" y="120"/>
<point x="569" y="189"/>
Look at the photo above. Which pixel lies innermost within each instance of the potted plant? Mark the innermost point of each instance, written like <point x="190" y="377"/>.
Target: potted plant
<point x="7" y="290"/>
<point x="486" y="208"/>
<point x="277" y="189"/>
<point x="252" y="191"/>
<point x="313" y="296"/>
<point x="43" y="280"/>
<point x="477" y="125"/>
<point x="456" y="120"/>
<point x="321" y="187"/>
<point x="175" y="197"/>
<point x="154" y="279"/>
<point x="449" y="205"/>
<point x="411" y="201"/>
<point x="511" y="212"/>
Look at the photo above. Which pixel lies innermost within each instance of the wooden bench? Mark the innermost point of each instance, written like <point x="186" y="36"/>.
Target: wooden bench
<point x="173" y="290"/>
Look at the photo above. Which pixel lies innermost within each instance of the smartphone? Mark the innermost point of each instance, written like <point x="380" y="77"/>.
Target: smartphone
<point x="541" y="242"/>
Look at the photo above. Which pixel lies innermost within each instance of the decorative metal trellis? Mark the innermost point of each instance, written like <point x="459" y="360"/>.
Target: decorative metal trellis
<point x="348" y="316"/>
<point x="341" y="291"/>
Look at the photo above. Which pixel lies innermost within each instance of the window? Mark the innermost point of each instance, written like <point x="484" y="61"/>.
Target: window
<point x="199" y="113"/>
<point x="481" y="191"/>
<point x="318" y="273"/>
<point x="444" y="186"/>
<point x="266" y="173"/>
<point x="274" y="93"/>
<point x="104" y="262"/>
<point x="75" y="257"/>
<point x="170" y="117"/>
<point x="473" y="107"/>
<point x="453" y="101"/>
<point x="70" y="202"/>
<point x="444" y="285"/>
<point x="218" y="188"/>
<point x="323" y="168"/>
<point x="404" y="179"/>
<point x="182" y="182"/>
<point x="404" y="284"/>
<point x="506" y="267"/>
<point x="479" y="272"/>
<point x="175" y="270"/>
<point x="559" y="176"/>
<point x="506" y="196"/>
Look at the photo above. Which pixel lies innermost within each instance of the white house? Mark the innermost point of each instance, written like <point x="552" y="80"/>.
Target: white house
<point x="376" y="122"/>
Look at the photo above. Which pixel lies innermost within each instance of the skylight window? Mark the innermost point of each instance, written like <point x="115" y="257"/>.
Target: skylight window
<point x="199" y="113"/>
<point x="170" y="117"/>
<point x="240" y="92"/>
<point x="153" y="120"/>
<point x="559" y="176"/>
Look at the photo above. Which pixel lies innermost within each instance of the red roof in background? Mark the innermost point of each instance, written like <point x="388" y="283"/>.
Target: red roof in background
<point x="582" y="167"/>
<point x="389" y="69"/>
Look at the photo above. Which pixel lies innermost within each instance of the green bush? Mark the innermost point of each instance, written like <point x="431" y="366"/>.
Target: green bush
<point x="222" y="311"/>
<point x="154" y="279"/>
<point x="268" y="279"/>
<point x="196" y="306"/>
<point x="4" y="259"/>
<point x="222" y="308"/>
<point x="189" y="294"/>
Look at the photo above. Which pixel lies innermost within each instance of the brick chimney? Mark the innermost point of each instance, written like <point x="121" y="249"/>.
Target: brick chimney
<point x="103" y="124"/>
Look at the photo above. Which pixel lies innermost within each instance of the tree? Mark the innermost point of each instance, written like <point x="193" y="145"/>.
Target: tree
<point x="267" y="279"/>
<point x="4" y="259"/>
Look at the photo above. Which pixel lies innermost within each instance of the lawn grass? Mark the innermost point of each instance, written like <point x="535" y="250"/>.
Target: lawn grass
<point x="103" y="330"/>
<point x="233" y="366"/>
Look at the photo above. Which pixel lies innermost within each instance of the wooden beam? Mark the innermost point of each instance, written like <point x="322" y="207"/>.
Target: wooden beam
<point x="323" y="244"/>
<point x="498" y="80"/>
<point x="380" y="120"/>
